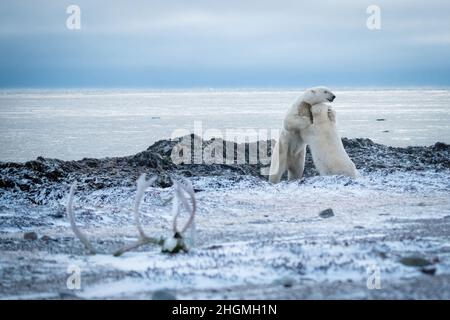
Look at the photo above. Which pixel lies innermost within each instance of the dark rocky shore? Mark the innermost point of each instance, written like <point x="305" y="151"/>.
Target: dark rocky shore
<point x="37" y="176"/>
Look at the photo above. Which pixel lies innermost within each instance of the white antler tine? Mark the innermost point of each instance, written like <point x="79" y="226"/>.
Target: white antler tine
<point x="189" y="189"/>
<point x="175" y="206"/>
<point x="142" y="185"/>
<point x="71" y="215"/>
<point x="180" y="188"/>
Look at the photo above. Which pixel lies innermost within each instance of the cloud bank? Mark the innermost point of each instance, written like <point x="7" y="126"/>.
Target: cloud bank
<point x="224" y="44"/>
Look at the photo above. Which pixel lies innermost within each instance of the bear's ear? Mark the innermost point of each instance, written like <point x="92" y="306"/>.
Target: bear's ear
<point x="313" y="91"/>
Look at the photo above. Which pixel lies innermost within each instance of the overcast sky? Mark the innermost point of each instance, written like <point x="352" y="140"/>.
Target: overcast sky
<point x="227" y="43"/>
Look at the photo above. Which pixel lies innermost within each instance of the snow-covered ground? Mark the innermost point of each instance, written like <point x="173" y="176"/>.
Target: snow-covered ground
<point x="252" y="240"/>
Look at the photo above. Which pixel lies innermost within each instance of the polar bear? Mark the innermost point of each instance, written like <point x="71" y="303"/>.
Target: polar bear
<point x="326" y="146"/>
<point x="290" y="150"/>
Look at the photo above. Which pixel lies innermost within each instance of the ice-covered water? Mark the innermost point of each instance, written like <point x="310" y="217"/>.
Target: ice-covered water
<point x="75" y="124"/>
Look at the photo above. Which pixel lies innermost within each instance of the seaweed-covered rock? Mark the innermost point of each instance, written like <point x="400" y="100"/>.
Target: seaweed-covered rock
<point x="191" y="156"/>
<point x="6" y="184"/>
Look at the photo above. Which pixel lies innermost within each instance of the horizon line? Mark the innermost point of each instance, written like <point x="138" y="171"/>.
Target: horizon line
<point x="231" y="88"/>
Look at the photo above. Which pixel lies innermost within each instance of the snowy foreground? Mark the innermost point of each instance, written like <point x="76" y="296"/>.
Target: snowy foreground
<point x="252" y="240"/>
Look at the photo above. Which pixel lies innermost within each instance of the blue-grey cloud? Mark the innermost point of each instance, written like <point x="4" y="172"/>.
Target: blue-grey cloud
<point x="224" y="43"/>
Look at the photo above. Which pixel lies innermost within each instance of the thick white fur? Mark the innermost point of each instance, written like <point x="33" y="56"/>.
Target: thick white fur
<point x="329" y="155"/>
<point x="290" y="150"/>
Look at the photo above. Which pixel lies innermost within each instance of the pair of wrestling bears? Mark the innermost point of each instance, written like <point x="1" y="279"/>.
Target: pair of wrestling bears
<point x="310" y="121"/>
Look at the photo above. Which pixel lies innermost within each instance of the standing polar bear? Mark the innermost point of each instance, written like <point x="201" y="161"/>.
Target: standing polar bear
<point x="326" y="146"/>
<point x="300" y="127"/>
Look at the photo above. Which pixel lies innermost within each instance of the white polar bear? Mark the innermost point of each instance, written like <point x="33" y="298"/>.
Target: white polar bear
<point x="290" y="150"/>
<point x="326" y="146"/>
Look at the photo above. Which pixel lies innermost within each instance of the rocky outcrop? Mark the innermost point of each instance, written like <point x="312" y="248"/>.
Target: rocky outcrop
<point x="34" y="176"/>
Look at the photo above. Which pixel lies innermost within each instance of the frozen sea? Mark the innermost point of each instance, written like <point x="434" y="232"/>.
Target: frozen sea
<point x="74" y="124"/>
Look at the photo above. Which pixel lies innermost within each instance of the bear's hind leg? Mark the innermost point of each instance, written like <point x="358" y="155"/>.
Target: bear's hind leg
<point x="278" y="163"/>
<point x="296" y="166"/>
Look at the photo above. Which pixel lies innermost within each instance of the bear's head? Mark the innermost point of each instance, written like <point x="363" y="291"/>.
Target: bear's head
<point x="318" y="95"/>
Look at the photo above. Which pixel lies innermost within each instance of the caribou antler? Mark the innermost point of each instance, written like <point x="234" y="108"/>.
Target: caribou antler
<point x="172" y="244"/>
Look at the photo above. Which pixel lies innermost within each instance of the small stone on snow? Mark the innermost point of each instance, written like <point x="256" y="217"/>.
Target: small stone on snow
<point x="30" y="236"/>
<point x="327" y="213"/>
